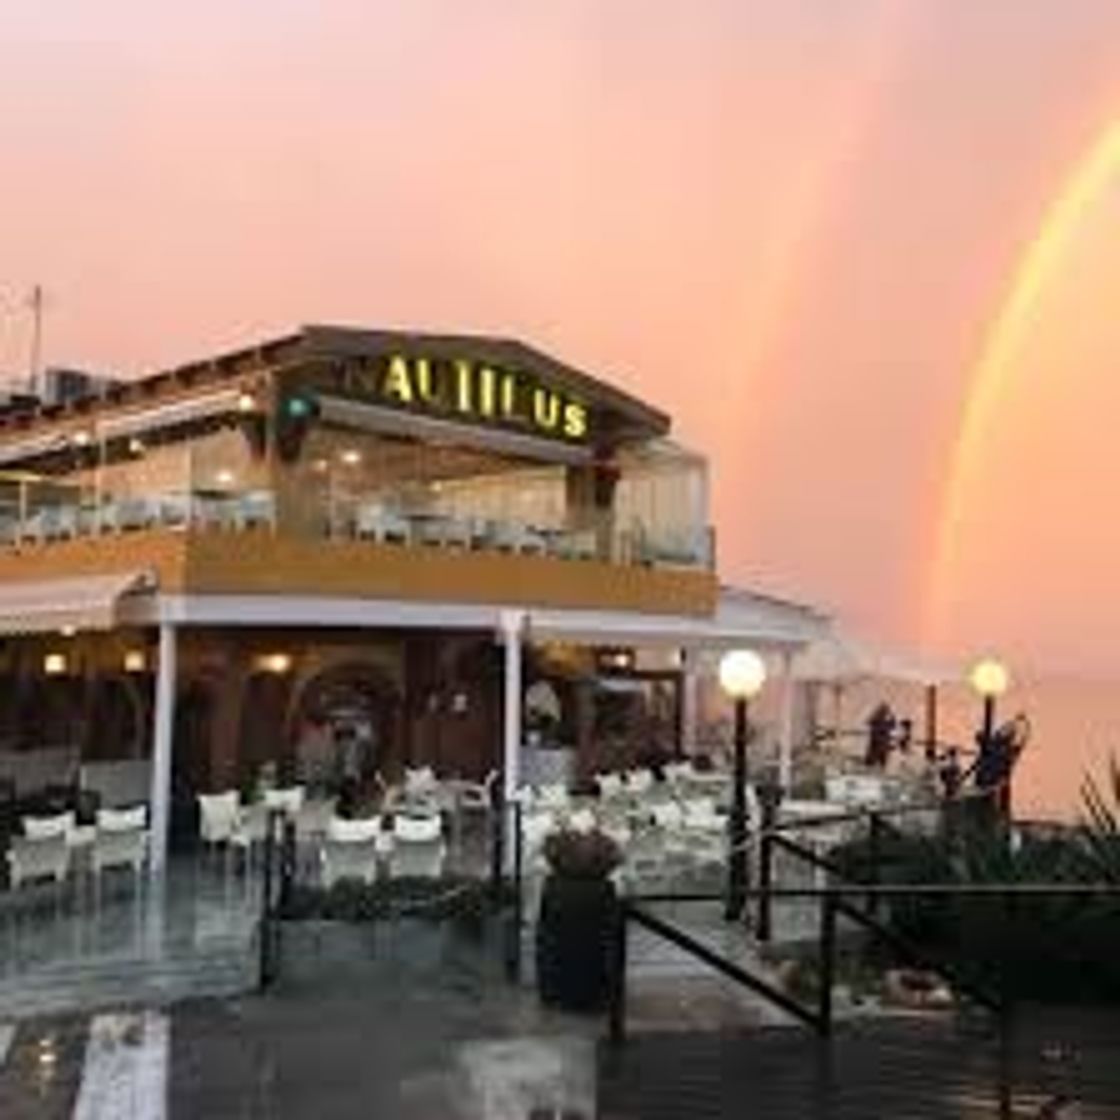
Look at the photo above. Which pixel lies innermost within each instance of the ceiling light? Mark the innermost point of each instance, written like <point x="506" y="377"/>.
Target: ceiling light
<point x="135" y="661"/>
<point x="82" y="439"/>
<point x="67" y="631"/>
<point x="246" y="402"/>
<point x="224" y="478"/>
<point x="275" y="663"/>
<point x="54" y="664"/>
<point x="351" y="457"/>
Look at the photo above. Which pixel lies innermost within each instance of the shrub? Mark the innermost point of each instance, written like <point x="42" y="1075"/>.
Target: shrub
<point x="582" y="855"/>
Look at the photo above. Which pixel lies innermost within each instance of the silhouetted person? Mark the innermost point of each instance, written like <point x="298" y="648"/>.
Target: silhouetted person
<point x="905" y="734"/>
<point x="951" y="774"/>
<point x="880" y="729"/>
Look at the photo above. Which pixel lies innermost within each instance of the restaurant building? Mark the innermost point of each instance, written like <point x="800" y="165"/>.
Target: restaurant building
<point x="448" y="550"/>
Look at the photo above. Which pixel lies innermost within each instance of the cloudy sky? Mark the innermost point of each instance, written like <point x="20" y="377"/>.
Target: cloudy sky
<point x="807" y="228"/>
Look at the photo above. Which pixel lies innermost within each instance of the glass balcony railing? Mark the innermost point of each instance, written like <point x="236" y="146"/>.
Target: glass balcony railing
<point x="375" y="520"/>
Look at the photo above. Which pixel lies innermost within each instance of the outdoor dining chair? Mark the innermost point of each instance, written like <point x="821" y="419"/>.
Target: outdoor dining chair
<point x="255" y="508"/>
<point x="610" y="785"/>
<point x="218" y="818"/>
<point x="351" y="850"/>
<point x="120" y="841"/>
<point x="43" y="828"/>
<point x="288" y="801"/>
<point x="31" y="858"/>
<point x="377" y="522"/>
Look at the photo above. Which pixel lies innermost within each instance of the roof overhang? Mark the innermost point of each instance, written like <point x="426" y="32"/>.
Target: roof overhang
<point x="89" y="603"/>
<point x="766" y="629"/>
<point x="840" y="659"/>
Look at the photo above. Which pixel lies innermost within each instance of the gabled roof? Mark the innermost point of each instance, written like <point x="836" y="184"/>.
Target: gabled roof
<point x="325" y="341"/>
<point x="629" y="418"/>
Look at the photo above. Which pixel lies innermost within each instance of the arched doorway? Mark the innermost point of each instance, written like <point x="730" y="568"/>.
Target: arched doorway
<point x="346" y="719"/>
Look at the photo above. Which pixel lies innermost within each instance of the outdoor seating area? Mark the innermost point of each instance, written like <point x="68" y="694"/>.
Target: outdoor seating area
<point x="415" y="829"/>
<point x="30" y="519"/>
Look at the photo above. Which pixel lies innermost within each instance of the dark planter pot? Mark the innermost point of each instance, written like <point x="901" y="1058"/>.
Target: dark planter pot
<point x="574" y="937"/>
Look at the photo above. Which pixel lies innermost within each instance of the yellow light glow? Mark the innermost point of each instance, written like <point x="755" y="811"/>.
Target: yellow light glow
<point x="278" y="663"/>
<point x="54" y="664"/>
<point x="351" y="457"/>
<point x="1089" y="184"/>
<point x="742" y="673"/>
<point x="136" y="446"/>
<point x="135" y="661"/>
<point x="989" y="677"/>
<point x="224" y="478"/>
<point x="246" y="402"/>
<point x="320" y="466"/>
<point x="82" y="439"/>
<point x="68" y="631"/>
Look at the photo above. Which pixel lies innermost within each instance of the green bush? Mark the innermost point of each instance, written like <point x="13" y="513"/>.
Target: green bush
<point x="461" y="901"/>
<point x="1045" y="948"/>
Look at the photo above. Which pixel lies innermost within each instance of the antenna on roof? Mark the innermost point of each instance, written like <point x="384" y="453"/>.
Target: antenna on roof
<point x="35" y="304"/>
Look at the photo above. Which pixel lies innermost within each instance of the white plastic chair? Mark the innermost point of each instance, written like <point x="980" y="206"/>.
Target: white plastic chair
<point x="582" y="820"/>
<point x="41" y="857"/>
<point x="44" y="828"/>
<point x="350" y="851"/>
<point x="121" y="841"/>
<point x="343" y="831"/>
<point x="122" y="820"/>
<point x="288" y="801"/>
<point x="610" y="785"/>
<point x="700" y="816"/>
<point x="255" y="508"/>
<point x="420" y="782"/>
<point x="552" y="797"/>
<point x="375" y="521"/>
<point x="418" y="850"/>
<point x="219" y="815"/>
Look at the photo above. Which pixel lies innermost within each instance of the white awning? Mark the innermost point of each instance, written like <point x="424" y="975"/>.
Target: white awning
<point x="765" y="624"/>
<point x="840" y="659"/>
<point x="87" y="603"/>
<point x="741" y="619"/>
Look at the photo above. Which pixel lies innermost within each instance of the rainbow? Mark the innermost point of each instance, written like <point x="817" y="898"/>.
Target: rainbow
<point x="995" y="369"/>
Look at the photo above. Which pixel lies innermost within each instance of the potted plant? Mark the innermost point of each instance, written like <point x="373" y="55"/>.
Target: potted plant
<point x="578" y="915"/>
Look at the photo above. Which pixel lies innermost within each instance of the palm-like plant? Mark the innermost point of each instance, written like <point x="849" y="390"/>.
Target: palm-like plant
<point x="1100" y="831"/>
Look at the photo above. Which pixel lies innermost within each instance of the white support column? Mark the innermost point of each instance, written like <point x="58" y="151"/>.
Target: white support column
<point x="785" y="745"/>
<point x="513" y="627"/>
<point x="690" y="700"/>
<point x="160" y="795"/>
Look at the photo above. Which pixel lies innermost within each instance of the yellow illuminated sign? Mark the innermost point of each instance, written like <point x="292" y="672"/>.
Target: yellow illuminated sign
<point x="461" y="388"/>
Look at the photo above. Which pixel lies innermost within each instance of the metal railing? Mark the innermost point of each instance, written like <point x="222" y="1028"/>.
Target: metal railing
<point x="836" y="902"/>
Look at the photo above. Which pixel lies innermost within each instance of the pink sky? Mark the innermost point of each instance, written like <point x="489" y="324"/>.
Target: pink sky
<point x="789" y="222"/>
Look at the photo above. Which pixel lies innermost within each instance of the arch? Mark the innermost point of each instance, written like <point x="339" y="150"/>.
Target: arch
<point x="352" y="696"/>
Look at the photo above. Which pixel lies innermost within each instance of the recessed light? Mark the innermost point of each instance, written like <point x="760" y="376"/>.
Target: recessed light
<point x="246" y="402"/>
<point x="224" y="478"/>
<point x="351" y="457"/>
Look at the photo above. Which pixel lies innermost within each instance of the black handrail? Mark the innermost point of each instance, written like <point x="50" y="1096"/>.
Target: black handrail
<point x="629" y="912"/>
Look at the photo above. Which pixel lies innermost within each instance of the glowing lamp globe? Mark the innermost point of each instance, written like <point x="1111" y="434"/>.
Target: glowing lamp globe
<point x="742" y="673"/>
<point x="989" y="677"/>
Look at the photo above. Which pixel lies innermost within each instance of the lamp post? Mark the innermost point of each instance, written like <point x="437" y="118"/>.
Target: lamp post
<point x="989" y="679"/>
<point x="742" y="674"/>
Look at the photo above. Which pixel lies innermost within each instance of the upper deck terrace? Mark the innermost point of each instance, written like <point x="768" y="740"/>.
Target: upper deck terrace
<point x="365" y="463"/>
